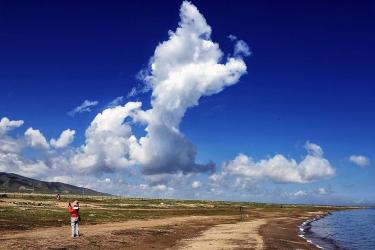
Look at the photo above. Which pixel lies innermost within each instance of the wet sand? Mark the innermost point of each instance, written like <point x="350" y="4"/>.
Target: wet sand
<point x="282" y="232"/>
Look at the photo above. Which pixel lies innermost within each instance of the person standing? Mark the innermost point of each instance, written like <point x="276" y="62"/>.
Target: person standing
<point x="73" y="209"/>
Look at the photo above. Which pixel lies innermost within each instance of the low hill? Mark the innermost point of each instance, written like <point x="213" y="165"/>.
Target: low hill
<point x="10" y="182"/>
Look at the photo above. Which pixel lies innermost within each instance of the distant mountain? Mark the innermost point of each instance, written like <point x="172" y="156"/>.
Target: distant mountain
<point x="16" y="183"/>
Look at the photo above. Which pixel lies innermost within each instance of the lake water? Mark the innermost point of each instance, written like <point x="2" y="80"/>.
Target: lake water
<point x="350" y="229"/>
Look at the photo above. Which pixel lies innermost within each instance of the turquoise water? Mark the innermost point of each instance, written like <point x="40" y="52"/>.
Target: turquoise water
<point x="350" y="229"/>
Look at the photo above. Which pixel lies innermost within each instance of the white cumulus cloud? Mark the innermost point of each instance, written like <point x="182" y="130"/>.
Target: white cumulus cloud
<point x="36" y="139"/>
<point x="280" y="169"/>
<point x="10" y="145"/>
<point x="359" y="160"/>
<point x="108" y="140"/>
<point x="15" y="163"/>
<point x="66" y="137"/>
<point x="183" y="69"/>
<point x="7" y="143"/>
<point x="186" y="67"/>
<point x="6" y="125"/>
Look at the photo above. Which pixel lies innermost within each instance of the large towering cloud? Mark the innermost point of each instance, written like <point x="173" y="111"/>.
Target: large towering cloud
<point x="183" y="69"/>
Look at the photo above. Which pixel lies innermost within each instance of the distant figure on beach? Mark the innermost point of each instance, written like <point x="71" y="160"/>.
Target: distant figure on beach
<point x="73" y="209"/>
<point x="58" y="197"/>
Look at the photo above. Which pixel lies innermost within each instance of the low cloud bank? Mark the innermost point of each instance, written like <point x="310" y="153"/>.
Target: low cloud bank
<point x="279" y="169"/>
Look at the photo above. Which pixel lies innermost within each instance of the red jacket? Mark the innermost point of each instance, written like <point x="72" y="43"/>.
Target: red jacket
<point x="73" y="212"/>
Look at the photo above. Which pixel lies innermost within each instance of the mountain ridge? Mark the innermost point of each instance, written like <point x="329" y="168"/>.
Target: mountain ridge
<point x="11" y="183"/>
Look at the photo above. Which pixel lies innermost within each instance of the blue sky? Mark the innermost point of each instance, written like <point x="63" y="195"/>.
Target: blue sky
<point x="308" y="81"/>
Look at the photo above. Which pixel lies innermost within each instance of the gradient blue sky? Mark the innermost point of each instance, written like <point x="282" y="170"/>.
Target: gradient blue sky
<point x="310" y="78"/>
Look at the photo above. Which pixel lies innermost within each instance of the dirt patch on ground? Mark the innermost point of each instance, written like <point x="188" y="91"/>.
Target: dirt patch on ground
<point x="241" y="235"/>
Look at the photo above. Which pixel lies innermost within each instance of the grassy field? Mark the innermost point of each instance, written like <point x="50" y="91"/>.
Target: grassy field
<point x="150" y="223"/>
<point x="22" y="212"/>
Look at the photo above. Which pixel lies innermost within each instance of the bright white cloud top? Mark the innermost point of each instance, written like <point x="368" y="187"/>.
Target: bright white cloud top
<point x="36" y="139"/>
<point x="66" y="137"/>
<point x="108" y="141"/>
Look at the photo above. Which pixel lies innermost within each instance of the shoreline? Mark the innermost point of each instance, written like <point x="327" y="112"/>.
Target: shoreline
<point x="283" y="230"/>
<point x="305" y="230"/>
<point x="317" y="240"/>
